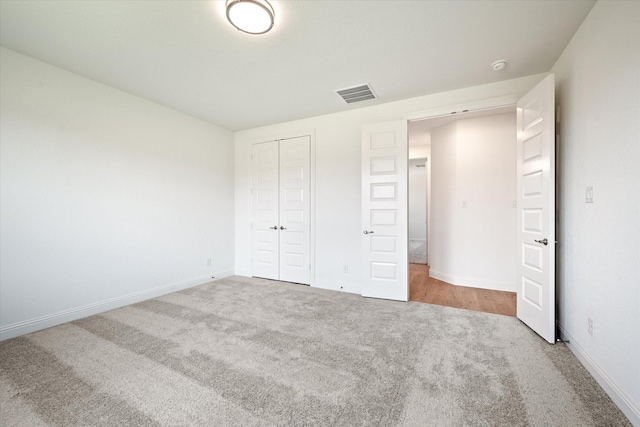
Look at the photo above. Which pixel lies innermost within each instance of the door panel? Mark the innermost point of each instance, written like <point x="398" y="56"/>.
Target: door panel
<point x="264" y="194"/>
<point x="384" y="211"/>
<point x="536" y="206"/>
<point x="281" y="206"/>
<point x="295" y="207"/>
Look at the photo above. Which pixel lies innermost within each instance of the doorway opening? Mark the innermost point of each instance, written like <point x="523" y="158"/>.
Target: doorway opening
<point x="471" y="245"/>
<point x="462" y="210"/>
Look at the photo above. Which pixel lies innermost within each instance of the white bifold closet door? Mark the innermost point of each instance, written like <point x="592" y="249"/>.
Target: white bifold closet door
<point x="280" y="195"/>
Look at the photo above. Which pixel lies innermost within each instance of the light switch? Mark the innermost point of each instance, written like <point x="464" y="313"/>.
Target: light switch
<point x="588" y="197"/>
<point x="464" y="204"/>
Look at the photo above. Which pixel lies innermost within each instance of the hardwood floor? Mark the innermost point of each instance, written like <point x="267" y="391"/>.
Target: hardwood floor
<point x="423" y="288"/>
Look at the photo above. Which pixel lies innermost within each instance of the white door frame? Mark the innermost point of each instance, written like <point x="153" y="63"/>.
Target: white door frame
<point x="447" y="111"/>
<point x="486" y="104"/>
<point x="311" y="133"/>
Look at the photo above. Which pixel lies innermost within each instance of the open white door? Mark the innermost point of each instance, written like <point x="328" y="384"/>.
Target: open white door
<point x="384" y="211"/>
<point x="536" y="209"/>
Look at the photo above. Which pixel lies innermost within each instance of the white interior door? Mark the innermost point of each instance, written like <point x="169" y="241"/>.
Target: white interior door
<point x="536" y="209"/>
<point x="384" y="211"/>
<point x="295" y="208"/>
<point x="281" y="208"/>
<point x="264" y="202"/>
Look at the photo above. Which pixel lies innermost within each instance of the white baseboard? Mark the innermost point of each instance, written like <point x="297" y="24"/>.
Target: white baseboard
<point x="350" y="288"/>
<point x="341" y="287"/>
<point x="441" y="276"/>
<point x="486" y="284"/>
<point x="609" y="386"/>
<point x="472" y="282"/>
<point x="219" y="275"/>
<point x="43" y="322"/>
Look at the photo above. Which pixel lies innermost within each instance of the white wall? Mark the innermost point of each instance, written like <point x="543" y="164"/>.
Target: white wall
<point x="420" y="147"/>
<point x="598" y="92"/>
<point x="417" y="199"/>
<point x="443" y="238"/>
<point x="417" y="172"/>
<point x="418" y="151"/>
<point x="473" y="160"/>
<point x="337" y="139"/>
<point x="419" y="143"/>
<point x="486" y="179"/>
<point x="105" y="198"/>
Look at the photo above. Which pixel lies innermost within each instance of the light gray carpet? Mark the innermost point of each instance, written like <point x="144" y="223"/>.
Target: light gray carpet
<point x="245" y="352"/>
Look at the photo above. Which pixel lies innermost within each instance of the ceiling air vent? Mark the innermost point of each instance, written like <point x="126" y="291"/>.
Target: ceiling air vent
<point x="356" y="93"/>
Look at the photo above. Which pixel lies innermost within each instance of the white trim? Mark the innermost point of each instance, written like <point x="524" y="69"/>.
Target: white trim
<point x="43" y="322"/>
<point x="441" y="276"/>
<point x="485" y="104"/>
<point x="494" y="285"/>
<point x="473" y="282"/>
<point x="616" y="394"/>
<point x="348" y="287"/>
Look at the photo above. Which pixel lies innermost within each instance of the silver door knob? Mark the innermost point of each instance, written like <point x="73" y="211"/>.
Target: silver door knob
<point x="368" y="232"/>
<point x="275" y="227"/>
<point x="283" y="228"/>
<point x="543" y="241"/>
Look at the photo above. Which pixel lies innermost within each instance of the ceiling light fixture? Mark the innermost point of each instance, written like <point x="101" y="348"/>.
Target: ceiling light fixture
<point x="250" y="16"/>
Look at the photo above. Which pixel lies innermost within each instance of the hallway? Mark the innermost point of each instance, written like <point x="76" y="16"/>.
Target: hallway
<point x="423" y="288"/>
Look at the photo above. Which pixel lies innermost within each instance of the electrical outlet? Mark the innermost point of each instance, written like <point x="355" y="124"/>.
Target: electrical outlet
<point x="588" y="196"/>
<point x="345" y="268"/>
<point x="208" y="262"/>
<point x="590" y="326"/>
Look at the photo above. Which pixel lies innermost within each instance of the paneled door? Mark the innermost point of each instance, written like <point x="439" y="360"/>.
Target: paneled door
<point x="280" y="195"/>
<point x="294" y="230"/>
<point x="384" y="211"/>
<point x="265" y="186"/>
<point x="536" y="209"/>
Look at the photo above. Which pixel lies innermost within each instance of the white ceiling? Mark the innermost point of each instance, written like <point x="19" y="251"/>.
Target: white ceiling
<point x="185" y="55"/>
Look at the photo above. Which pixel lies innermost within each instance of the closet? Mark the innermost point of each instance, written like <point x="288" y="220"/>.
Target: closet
<point x="280" y="204"/>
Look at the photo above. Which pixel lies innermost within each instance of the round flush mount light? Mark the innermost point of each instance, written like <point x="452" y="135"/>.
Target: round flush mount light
<point x="499" y="65"/>
<point x="250" y="16"/>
